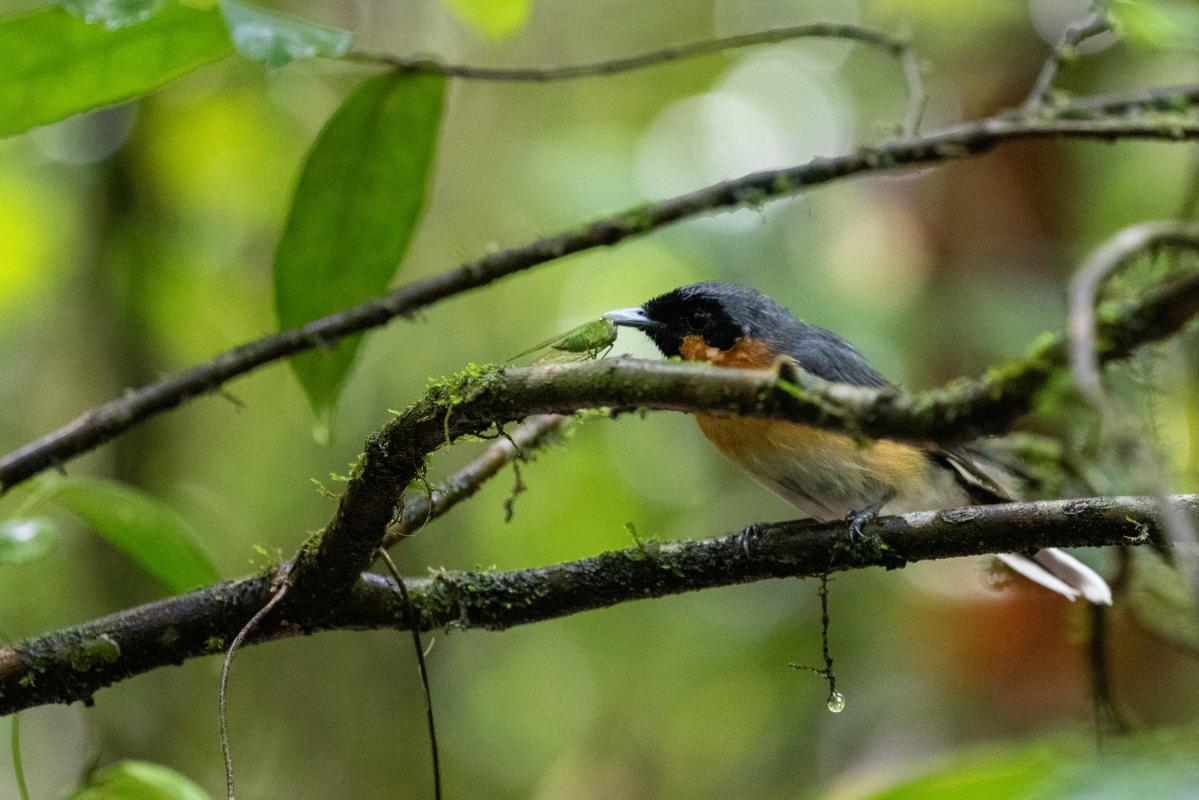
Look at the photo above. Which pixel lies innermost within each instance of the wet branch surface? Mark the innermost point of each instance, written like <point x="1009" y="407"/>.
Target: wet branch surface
<point x="72" y="664"/>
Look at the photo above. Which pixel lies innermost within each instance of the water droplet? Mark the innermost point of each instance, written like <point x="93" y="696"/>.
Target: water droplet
<point x="836" y="702"/>
<point x="279" y="39"/>
<point x="321" y="433"/>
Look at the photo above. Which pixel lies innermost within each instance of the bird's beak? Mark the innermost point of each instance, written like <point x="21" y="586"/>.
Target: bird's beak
<point x="630" y="318"/>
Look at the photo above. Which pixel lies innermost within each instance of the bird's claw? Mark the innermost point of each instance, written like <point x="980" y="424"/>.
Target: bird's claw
<point x="858" y="520"/>
<point x="747" y="535"/>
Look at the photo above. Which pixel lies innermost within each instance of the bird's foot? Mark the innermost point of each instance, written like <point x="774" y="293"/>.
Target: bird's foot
<point x="748" y="534"/>
<point x="858" y="520"/>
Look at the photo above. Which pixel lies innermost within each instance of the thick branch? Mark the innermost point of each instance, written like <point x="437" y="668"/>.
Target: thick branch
<point x="73" y="664"/>
<point x="107" y="421"/>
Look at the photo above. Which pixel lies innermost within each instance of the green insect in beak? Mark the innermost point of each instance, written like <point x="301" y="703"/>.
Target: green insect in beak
<point x="590" y="340"/>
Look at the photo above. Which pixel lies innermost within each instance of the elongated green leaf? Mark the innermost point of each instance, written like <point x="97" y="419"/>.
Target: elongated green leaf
<point x="496" y="18"/>
<point x="53" y="65"/>
<point x="278" y="39"/>
<point x="353" y="215"/>
<point x="1156" y="764"/>
<point x="998" y="775"/>
<point x="145" y="528"/>
<point x="113" y="14"/>
<point x="139" y="780"/>
<point x="26" y="540"/>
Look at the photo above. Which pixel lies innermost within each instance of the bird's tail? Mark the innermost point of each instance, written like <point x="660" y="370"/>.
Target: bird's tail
<point x="1061" y="572"/>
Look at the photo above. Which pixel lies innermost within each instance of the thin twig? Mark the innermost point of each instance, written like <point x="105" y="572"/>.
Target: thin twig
<point x="420" y="510"/>
<point x="917" y="98"/>
<point x="18" y="767"/>
<point x="836" y="701"/>
<point x="518" y="483"/>
<point x="895" y="46"/>
<point x="281" y="586"/>
<point x="1092" y="25"/>
<point x="1163" y="99"/>
<point x="1107" y="716"/>
<point x="414" y="628"/>
<point x="105" y="422"/>
<point x="1190" y="196"/>
<point x="518" y="488"/>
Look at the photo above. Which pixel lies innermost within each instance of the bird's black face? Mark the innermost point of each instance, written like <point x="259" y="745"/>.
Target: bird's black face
<point x="692" y="319"/>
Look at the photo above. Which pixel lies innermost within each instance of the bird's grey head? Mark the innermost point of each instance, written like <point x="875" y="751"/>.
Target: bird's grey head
<point x="717" y="313"/>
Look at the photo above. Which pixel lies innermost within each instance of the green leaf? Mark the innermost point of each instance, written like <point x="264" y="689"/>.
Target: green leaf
<point x="278" y="39"/>
<point x="998" y="775"/>
<point x="356" y="206"/>
<point x="139" y="780"/>
<point x="496" y="18"/>
<point x="55" y="65"/>
<point x="113" y="14"/>
<point x="1158" y="24"/>
<point x="1154" y="764"/>
<point x="150" y="532"/>
<point x="26" y="540"/>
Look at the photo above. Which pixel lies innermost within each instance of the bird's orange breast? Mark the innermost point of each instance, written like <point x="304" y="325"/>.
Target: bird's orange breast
<point x="744" y="354"/>
<point x="814" y="461"/>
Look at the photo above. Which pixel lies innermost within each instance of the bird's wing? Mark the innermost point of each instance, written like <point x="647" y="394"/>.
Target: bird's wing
<point x="980" y="486"/>
<point x="826" y="355"/>
<point x="1050" y="567"/>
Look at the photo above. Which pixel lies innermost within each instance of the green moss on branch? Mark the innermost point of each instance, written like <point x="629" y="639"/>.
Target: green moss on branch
<point x="46" y="669"/>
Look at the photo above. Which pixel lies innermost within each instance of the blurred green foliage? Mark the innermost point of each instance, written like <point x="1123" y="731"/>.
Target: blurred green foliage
<point x="26" y="539"/>
<point x="1063" y="768"/>
<point x="163" y="543"/>
<point x="496" y="18"/>
<point x="56" y="65"/>
<point x="1158" y="24"/>
<point x="138" y="780"/>
<point x="137" y="240"/>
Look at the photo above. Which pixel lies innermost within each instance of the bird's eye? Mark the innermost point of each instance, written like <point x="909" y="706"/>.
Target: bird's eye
<point x="698" y="320"/>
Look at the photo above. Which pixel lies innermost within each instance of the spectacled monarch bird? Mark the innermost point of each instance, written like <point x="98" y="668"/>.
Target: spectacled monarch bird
<point x="826" y="474"/>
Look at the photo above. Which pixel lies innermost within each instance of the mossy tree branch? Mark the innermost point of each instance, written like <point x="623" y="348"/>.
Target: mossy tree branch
<point x="74" y="663"/>
<point x="331" y="592"/>
<point x="482" y="397"/>
<point x="105" y="422"/>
